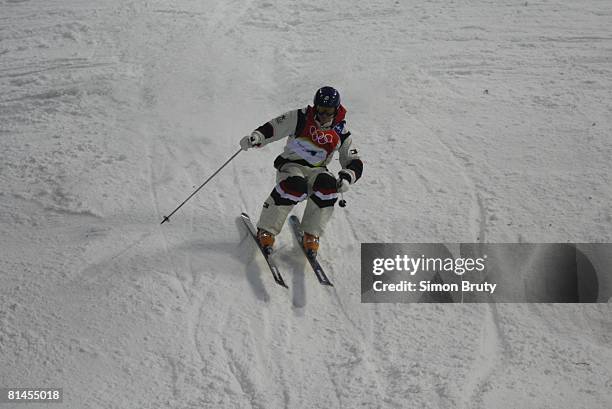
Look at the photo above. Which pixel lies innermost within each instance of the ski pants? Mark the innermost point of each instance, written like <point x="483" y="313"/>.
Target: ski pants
<point x="296" y="183"/>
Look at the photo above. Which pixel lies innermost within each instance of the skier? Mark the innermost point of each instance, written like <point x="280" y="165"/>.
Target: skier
<point x="314" y="134"/>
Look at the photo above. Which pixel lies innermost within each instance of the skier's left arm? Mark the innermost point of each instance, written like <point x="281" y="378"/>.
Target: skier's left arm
<point x="352" y="166"/>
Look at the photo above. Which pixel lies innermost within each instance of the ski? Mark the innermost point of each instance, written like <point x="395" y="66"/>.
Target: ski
<point x="314" y="263"/>
<point x="273" y="268"/>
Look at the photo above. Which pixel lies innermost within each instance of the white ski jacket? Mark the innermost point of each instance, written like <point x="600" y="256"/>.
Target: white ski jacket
<point x="310" y="144"/>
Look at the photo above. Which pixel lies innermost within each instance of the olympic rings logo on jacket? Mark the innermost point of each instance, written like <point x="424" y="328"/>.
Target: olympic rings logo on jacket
<point x="319" y="136"/>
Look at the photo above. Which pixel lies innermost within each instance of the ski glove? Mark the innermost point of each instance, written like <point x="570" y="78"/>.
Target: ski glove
<point x="343" y="181"/>
<point x="255" y="139"/>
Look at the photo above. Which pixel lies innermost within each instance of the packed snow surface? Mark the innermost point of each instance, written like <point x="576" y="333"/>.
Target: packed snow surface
<point x="478" y="121"/>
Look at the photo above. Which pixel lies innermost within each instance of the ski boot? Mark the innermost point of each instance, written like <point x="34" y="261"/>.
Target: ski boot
<point x="265" y="240"/>
<point x="311" y="245"/>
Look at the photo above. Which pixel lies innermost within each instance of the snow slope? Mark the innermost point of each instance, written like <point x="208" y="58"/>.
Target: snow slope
<point x="477" y="121"/>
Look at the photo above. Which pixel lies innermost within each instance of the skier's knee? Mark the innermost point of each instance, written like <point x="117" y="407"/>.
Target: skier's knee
<point x="290" y="191"/>
<point x="324" y="190"/>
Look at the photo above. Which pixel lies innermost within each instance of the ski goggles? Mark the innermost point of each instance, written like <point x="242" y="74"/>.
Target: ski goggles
<point x="326" y="111"/>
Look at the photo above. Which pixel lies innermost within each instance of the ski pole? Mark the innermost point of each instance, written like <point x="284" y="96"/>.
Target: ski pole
<point x="167" y="218"/>
<point x="342" y="202"/>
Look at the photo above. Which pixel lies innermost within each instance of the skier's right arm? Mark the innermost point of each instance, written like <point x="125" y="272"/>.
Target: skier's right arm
<point x="274" y="130"/>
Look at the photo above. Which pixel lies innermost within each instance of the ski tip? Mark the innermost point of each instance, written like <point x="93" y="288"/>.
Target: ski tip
<point x="279" y="280"/>
<point x="166" y="219"/>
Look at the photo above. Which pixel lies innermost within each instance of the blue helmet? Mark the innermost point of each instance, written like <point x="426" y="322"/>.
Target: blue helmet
<point x="327" y="97"/>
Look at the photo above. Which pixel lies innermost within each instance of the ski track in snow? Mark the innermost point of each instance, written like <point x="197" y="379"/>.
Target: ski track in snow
<point x="477" y="122"/>
<point x="477" y="211"/>
<point x="488" y="357"/>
